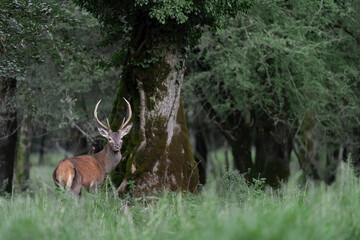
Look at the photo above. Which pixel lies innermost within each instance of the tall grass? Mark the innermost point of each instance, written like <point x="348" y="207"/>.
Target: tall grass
<point x="226" y="209"/>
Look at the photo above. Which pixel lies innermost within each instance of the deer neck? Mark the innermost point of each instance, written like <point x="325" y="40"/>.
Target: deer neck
<point x="108" y="158"/>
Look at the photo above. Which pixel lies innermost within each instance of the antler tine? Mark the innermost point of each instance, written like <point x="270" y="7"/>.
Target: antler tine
<point x="107" y="121"/>
<point x="122" y="124"/>
<point x="130" y="113"/>
<point x="96" y="117"/>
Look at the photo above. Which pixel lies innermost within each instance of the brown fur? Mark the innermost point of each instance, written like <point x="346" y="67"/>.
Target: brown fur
<point x="84" y="170"/>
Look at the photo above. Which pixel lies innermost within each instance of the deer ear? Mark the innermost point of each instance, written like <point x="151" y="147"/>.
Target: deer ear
<point x="126" y="130"/>
<point x="103" y="132"/>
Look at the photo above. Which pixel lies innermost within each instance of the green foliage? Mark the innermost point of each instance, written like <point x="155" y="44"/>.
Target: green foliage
<point x="3" y="188"/>
<point x="282" y="60"/>
<point x="25" y="27"/>
<point x="57" y="53"/>
<point x="164" y="10"/>
<point x="129" y="195"/>
<point x="291" y="213"/>
<point x="175" y="21"/>
<point x="232" y="186"/>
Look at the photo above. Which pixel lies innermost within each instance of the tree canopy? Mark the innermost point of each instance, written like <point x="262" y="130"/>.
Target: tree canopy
<point x="179" y="21"/>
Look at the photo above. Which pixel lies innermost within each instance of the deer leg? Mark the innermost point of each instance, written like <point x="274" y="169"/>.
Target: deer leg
<point x="75" y="192"/>
<point x="93" y="187"/>
<point x="75" y="189"/>
<point x="122" y="187"/>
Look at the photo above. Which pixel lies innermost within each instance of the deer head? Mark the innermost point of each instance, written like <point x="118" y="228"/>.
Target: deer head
<point x="114" y="138"/>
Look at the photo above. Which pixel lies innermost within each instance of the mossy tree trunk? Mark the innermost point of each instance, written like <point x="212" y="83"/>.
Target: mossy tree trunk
<point x="8" y="136"/>
<point x="22" y="164"/>
<point x="198" y="131"/>
<point x="157" y="152"/>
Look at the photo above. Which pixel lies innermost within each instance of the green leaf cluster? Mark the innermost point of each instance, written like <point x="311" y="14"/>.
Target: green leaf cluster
<point x="176" y="20"/>
<point x="25" y="26"/>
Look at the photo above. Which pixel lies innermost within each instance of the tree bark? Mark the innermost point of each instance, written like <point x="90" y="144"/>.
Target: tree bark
<point x="157" y="152"/>
<point x="22" y="164"/>
<point x="8" y="136"/>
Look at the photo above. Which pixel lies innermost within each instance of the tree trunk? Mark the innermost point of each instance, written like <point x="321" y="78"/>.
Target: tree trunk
<point x="237" y="129"/>
<point x="241" y="150"/>
<point x="22" y="164"/>
<point x="334" y="153"/>
<point x="42" y="147"/>
<point x="308" y="148"/>
<point x="201" y="155"/>
<point x="79" y="143"/>
<point x="157" y="152"/>
<point x="8" y="136"/>
<point x="273" y="148"/>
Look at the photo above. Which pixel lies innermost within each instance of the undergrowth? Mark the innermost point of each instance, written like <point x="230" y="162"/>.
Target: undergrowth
<point x="227" y="208"/>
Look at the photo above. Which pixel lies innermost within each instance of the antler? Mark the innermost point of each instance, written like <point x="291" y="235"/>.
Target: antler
<point x="127" y="121"/>
<point x="97" y="119"/>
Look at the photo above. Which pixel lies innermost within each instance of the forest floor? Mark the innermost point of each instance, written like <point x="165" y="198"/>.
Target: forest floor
<point x="226" y="208"/>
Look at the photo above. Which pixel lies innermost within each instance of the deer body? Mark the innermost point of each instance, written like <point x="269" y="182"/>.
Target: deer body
<point x="89" y="170"/>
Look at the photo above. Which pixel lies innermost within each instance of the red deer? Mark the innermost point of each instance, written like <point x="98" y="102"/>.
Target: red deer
<point x="89" y="170"/>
